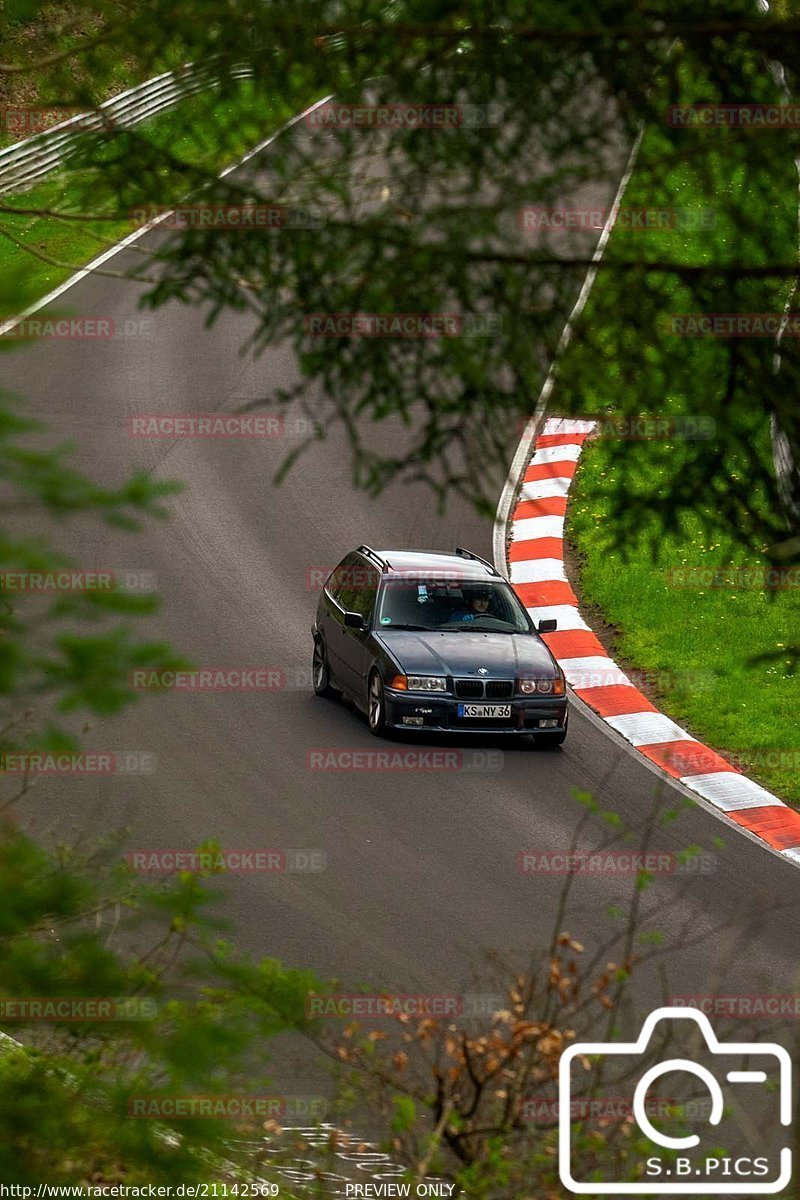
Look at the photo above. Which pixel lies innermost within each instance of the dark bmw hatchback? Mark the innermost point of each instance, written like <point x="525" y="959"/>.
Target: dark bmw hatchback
<point x="439" y="642"/>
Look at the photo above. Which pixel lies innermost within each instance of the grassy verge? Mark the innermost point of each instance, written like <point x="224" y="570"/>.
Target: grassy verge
<point x="687" y="603"/>
<point x="699" y="644"/>
<point x="38" y="252"/>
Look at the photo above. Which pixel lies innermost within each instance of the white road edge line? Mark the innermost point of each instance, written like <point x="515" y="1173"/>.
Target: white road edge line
<point x="7" y="326"/>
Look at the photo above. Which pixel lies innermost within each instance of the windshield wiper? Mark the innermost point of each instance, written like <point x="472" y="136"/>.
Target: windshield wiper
<point x="471" y="627"/>
<point x="415" y="628"/>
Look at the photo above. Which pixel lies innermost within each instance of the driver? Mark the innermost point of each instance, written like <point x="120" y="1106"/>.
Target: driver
<point x="477" y="606"/>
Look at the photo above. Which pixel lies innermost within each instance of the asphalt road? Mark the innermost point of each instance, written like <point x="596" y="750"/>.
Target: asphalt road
<point x="422" y="872"/>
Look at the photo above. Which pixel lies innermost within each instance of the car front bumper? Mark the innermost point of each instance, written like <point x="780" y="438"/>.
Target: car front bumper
<point x="440" y="714"/>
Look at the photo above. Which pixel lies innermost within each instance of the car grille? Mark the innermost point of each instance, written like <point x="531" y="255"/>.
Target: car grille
<point x="469" y="689"/>
<point x="475" y="689"/>
<point x="499" y="689"/>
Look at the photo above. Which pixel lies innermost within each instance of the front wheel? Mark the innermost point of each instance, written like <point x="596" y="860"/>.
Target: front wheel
<point x="320" y="671"/>
<point x="376" y="708"/>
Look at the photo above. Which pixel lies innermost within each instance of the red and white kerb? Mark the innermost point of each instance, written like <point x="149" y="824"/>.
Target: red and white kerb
<point x="536" y="569"/>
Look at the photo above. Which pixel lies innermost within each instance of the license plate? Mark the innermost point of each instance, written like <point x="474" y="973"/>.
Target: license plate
<point x="492" y="711"/>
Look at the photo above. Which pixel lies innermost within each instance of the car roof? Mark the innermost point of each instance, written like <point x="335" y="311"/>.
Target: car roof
<point x="434" y="560"/>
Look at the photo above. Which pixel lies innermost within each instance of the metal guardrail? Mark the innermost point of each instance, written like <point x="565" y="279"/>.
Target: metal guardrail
<point x="32" y="159"/>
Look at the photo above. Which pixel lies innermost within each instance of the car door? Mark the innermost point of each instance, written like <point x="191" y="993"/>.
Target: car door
<point x="331" y="614"/>
<point x="358" y="595"/>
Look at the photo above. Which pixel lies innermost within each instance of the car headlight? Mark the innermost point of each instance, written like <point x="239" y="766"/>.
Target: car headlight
<point x="544" y="687"/>
<point x="427" y="683"/>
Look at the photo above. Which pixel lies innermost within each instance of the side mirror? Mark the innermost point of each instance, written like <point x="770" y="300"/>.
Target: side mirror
<point x="548" y="626"/>
<point x="354" y="620"/>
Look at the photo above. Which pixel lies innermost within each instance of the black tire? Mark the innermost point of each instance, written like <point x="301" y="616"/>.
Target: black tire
<point x="549" y="741"/>
<point x="321" y="672"/>
<point x="376" y="705"/>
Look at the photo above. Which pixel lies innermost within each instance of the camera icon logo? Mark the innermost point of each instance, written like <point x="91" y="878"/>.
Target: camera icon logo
<point x="686" y="1168"/>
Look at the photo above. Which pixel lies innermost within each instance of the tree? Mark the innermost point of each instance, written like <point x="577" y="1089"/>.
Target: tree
<point x="536" y="104"/>
<point x="122" y="991"/>
<point x="127" y="1005"/>
<point x="428" y="220"/>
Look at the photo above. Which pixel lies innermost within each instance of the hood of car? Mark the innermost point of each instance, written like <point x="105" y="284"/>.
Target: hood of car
<point x="501" y="655"/>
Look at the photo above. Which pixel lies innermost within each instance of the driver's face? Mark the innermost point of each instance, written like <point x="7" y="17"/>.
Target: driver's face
<point x="480" y="604"/>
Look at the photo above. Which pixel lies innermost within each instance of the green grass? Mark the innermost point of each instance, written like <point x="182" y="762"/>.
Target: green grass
<point x="700" y="642"/>
<point x="718" y="651"/>
<point x="37" y="253"/>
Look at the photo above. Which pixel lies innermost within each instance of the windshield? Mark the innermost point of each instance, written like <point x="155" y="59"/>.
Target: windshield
<point x="465" y="605"/>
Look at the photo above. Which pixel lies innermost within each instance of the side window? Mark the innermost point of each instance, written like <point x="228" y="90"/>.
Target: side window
<point x="360" y="588"/>
<point x="340" y="577"/>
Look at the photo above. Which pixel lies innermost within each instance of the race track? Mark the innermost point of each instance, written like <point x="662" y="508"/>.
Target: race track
<point x="422" y="871"/>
